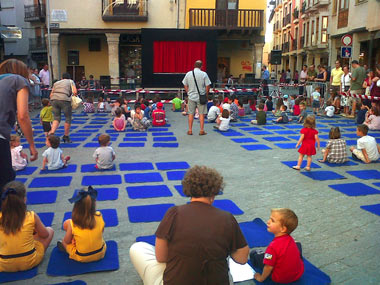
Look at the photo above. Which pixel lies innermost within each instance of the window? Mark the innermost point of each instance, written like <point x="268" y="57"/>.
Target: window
<point x="334" y="6"/>
<point x="94" y="44"/>
<point x="312" y="33"/>
<point x="358" y="2"/>
<point x="343" y="4"/>
<point x="307" y="33"/>
<point x="325" y="24"/>
<point x="317" y="31"/>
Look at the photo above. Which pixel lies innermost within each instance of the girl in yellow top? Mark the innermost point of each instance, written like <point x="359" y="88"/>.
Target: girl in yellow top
<point x="84" y="231"/>
<point x="24" y="238"/>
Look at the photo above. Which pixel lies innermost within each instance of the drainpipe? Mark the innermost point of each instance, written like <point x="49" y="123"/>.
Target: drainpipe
<point x="178" y="13"/>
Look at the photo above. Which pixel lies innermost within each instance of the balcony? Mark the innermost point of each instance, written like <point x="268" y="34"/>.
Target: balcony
<point x="288" y="19"/>
<point x="296" y="14"/>
<point x="242" y="19"/>
<point x="285" y="47"/>
<point x="37" y="45"/>
<point x="129" y="11"/>
<point x="302" y="41"/>
<point x="294" y="44"/>
<point x="320" y="3"/>
<point x="35" y="13"/>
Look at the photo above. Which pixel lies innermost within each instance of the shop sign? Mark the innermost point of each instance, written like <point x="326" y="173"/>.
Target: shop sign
<point x="58" y="15"/>
<point x="11" y="33"/>
<point x="131" y="39"/>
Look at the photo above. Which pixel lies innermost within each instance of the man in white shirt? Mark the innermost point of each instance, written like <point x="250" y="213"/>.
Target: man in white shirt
<point x="191" y="89"/>
<point x="45" y="80"/>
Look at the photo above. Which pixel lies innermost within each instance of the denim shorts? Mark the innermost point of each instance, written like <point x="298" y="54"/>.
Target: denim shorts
<point x="316" y="104"/>
<point x="65" y="107"/>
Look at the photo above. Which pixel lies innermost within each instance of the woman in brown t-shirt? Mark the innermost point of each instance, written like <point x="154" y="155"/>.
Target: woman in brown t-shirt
<point x="194" y="240"/>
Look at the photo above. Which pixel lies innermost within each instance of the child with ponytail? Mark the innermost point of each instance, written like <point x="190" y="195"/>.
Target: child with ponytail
<point x="84" y="231"/>
<point x="24" y="238"/>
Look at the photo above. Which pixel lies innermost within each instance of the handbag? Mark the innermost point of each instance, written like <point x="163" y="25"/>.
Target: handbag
<point x="75" y="100"/>
<point x="202" y="98"/>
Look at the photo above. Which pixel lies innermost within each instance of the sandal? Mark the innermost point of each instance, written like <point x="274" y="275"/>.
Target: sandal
<point x="296" y="167"/>
<point x="202" y="133"/>
<point x="321" y="160"/>
<point x="190" y="133"/>
<point x="307" y="168"/>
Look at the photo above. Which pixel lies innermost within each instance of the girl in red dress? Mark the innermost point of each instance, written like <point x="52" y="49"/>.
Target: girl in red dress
<point x="308" y="137"/>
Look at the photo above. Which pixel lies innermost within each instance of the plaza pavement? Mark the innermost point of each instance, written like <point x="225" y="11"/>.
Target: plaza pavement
<point x="336" y="234"/>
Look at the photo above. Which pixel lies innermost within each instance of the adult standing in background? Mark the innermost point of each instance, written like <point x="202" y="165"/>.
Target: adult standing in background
<point x="357" y="78"/>
<point x="14" y="93"/>
<point x="375" y="90"/>
<point x="265" y="77"/>
<point x="203" y="82"/>
<point x="303" y="78"/>
<point x="288" y="76"/>
<point x="311" y="75"/>
<point x="335" y="83"/>
<point x="60" y="97"/>
<point x="295" y="77"/>
<point x="322" y="78"/>
<point x="45" y="79"/>
<point x="131" y="75"/>
<point x="35" y="88"/>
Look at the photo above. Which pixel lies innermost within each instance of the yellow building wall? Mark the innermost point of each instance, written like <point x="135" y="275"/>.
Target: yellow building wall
<point x="240" y="54"/>
<point x="95" y="62"/>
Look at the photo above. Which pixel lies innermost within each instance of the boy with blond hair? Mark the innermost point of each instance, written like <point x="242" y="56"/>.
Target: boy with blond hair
<point x="282" y="258"/>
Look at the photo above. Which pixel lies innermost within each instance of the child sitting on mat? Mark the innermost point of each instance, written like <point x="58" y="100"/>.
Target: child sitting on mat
<point x="367" y="149"/>
<point x="373" y="119"/>
<point x="24" y="238"/>
<point x="261" y="116"/>
<point x="269" y="104"/>
<point x="101" y="108"/>
<point x="282" y="259"/>
<point x="241" y="111"/>
<point x="303" y="115"/>
<point x="46" y="116"/>
<point x="177" y="104"/>
<point x="223" y="121"/>
<point x="335" y="151"/>
<point x="361" y="114"/>
<point x="83" y="240"/>
<point x="104" y="155"/>
<point x="277" y="111"/>
<point x="214" y="112"/>
<point x="148" y="110"/>
<point x="159" y="116"/>
<point x="119" y="123"/>
<point x="19" y="159"/>
<point x="283" y="119"/>
<point x="309" y="135"/>
<point x="330" y="109"/>
<point x="53" y="156"/>
<point x="88" y="106"/>
<point x="138" y="122"/>
<point x="296" y="108"/>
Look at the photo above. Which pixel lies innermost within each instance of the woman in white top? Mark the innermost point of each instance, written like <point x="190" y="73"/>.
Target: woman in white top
<point x="345" y="83"/>
<point x="223" y="121"/>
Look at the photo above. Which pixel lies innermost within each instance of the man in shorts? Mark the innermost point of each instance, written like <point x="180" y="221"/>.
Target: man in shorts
<point x="336" y="75"/>
<point x="190" y="86"/>
<point x="357" y="78"/>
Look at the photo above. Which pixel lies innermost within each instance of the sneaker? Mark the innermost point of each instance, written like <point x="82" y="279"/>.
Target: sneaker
<point x="66" y="139"/>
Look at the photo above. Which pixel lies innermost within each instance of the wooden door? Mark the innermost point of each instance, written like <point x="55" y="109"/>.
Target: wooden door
<point x="76" y="72"/>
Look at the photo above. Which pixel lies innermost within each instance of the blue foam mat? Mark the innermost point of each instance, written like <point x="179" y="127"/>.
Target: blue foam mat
<point x="136" y="139"/>
<point x="75" y="282"/>
<point x="355" y="189"/>
<point x="256" y="234"/>
<point x="85" y="168"/>
<point x="112" y="139"/>
<point x="18" y="276"/>
<point x="22" y="180"/>
<point x="164" y="139"/>
<point x="69" y="145"/>
<point x="46" y="218"/>
<point x="70" y="168"/>
<point x="261" y="133"/>
<point x="347" y="163"/>
<point x="323" y="175"/>
<point x="136" y="166"/>
<point x="276" y="139"/>
<point x="230" y="133"/>
<point x="148" y="191"/>
<point x="148" y="239"/>
<point x="229" y="206"/>
<point x="287" y="132"/>
<point x="374" y="209"/>
<point x="239" y="125"/>
<point x="105" y="194"/>
<point x="147" y="213"/>
<point x="172" y="165"/>
<point x="351" y="136"/>
<point x="51" y="181"/>
<point x="179" y="189"/>
<point x="138" y="144"/>
<point x="286" y="145"/>
<point x="61" y="265"/>
<point x="143" y="177"/>
<point x="245" y="140"/>
<point x="157" y="129"/>
<point x="136" y="135"/>
<point x="175" y="175"/>
<point x="303" y="164"/>
<point x="91" y="144"/>
<point x="274" y="127"/>
<point x="365" y="174"/>
<point x="250" y="129"/>
<point x="159" y="134"/>
<point x="255" y="147"/>
<point x="101" y="180"/>
<point x="27" y="170"/>
<point x="41" y="197"/>
<point x="165" y="145"/>
<point x="109" y="217"/>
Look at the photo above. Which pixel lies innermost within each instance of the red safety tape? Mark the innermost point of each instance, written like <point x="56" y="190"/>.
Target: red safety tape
<point x="348" y="94"/>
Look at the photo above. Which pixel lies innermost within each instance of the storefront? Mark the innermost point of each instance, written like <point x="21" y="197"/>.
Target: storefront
<point x="130" y="58"/>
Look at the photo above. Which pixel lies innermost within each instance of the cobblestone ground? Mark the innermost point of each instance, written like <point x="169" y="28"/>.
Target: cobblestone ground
<point x="337" y="235"/>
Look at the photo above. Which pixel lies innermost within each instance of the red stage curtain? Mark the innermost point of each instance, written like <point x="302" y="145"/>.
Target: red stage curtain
<point x="177" y="56"/>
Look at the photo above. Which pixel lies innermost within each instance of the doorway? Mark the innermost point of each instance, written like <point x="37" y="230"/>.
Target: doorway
<point x="75" y="72"/>
<point x="226" y="14"/>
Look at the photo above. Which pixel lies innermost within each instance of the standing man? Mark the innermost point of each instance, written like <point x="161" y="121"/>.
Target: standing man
<point x="335" y="81"/>
<point x="302" y="80"/>
<point x="311" y="75"/>
<point x="357" y="78"/>
<point x="131" y="75"/>
<point x="203" y="82"/>
<point x="45" y="79"/>
<point x="265" y="77"/>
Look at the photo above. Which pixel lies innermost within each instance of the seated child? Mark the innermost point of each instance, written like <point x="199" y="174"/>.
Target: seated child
<point x="220" y="103"/>
<point x="277" y="111"/>
<point x="104" y="155"/>
<point x="361" y="114"/>
<point x="261" y="116"/>
<point x="210" y="102"/>
<point x="83" y="240"/>
<point x="46" y="116"/>
<point x="186" y="106"/>
<point x="335" y="151"/>
<point x="141" y="101"/>
<point x="283" y="119"/>
<point x="88" y="106"/>
<point x="223" y="121"/>
<point x="292" y="102"/>
<point x="247" y="105"/>
<point x="282" y="259"/>
<point x="214" y="112"/>
<point x="302" y="116"/>
<point x="19" y="159"/>
<point x="101" y="108"/>
<point x="329" y="110"/>
<point x="296" y="108"/>
<point x="117" y="104"/>
<point x="22" y="232"/>
<point x="177" y="104"/>
<point x="373" y="119"/>
<point x="316" y="95"/>
<point x="241" y="111"/>
<point x="119" y="123"/>
<point x="286" y="102"/>
<point x="159" y="116"/>
<point x="53" y="156"/>
<point x="227" y="105"/>
<point x="137" y="120"/>
<point x="367" y="149"/>
<point x="148" y="110"/>
<point x="269" y="104"/>
<point x="234" y="110"/>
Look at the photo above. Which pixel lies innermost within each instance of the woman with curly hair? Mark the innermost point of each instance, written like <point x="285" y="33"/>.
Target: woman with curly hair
<point x="194" y="240"/>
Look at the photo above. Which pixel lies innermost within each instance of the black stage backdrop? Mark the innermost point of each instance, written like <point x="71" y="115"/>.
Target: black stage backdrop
<point x="148" y="36"/>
